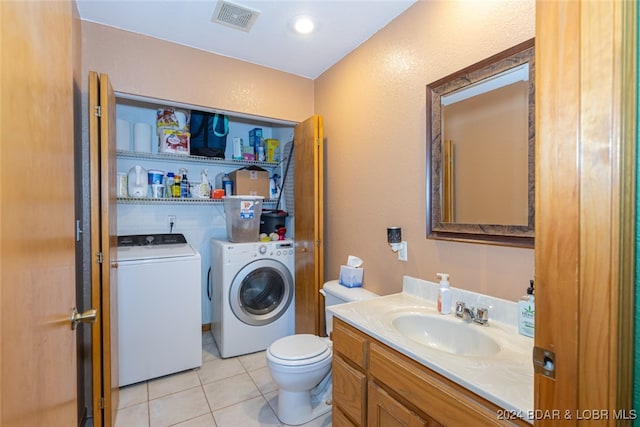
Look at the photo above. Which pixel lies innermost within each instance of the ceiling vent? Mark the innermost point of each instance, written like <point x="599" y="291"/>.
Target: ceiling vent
<point x="234" y="15"/>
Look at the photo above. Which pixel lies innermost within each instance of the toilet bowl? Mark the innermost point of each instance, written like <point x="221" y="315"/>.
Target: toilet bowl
<point x="301" y="364"/>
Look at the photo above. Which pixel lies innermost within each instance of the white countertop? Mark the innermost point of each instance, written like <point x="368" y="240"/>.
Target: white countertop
<point x="506" y="378"/>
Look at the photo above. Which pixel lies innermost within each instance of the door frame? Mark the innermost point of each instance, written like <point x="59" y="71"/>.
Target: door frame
<point x="585" y="206"/>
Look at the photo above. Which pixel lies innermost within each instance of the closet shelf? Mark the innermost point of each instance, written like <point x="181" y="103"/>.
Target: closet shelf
<point x="180" y="201"/>
<point x="168" y="157"/>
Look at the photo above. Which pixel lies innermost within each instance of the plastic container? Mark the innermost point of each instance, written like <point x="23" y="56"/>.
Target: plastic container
<point x="169" y="182"/>
<point x="242" y="215"/>
<point x="444" y="294"/>
<point x="526" y="312"/>
<point x="272" y="220"/>
<point x="185" y="187"/>
<point x="227" y="185"/>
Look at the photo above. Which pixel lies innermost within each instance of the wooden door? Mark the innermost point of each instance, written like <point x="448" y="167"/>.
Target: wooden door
<point x="38" y="378"/>
<point x="104" y="246"/>
<point x="585" y="157"/>
<point x="309" y="225"/>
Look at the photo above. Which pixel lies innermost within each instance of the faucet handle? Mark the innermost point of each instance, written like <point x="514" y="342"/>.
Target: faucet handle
<point x="460" y="305"/>
<point x="482" y="314"/>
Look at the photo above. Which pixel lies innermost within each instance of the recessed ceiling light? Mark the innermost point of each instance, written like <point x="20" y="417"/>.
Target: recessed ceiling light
<point x="304" y="24"/>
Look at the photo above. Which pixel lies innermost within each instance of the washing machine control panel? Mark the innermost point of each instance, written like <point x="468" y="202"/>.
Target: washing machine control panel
<point x="277" y="249"/>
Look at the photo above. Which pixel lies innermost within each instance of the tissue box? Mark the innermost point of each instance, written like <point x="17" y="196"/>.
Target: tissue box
<point x="351" y="277"/>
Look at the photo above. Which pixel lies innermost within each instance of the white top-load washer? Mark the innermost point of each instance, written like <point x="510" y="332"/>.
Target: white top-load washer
<point x="159" y="306"/>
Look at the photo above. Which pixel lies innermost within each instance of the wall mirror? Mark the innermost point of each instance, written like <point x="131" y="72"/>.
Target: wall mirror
<point x="481" y="151"/>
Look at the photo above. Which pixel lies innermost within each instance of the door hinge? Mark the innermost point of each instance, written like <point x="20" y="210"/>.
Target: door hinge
<point x="318" y="243"/>
<point x="101" y="403"/>
<point x="99" y="257"/>
<point x="98" y="111"/>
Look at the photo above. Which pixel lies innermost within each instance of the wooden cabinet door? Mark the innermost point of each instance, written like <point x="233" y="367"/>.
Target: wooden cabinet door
<point x="102" y="146"/>
<point x="309" y="225"/>
<point x="350" y="391"/>
<point x="385" y="411"/>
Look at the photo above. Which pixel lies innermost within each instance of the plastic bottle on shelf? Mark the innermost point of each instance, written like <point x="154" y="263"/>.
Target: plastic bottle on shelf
<point x="175" y="190"/>
<point x="185" y="190"/>
<point x="227" y="185"/>
<point x="260" y="151"/>
<point x="169" y="184"/>
<point x="205" y="186"/>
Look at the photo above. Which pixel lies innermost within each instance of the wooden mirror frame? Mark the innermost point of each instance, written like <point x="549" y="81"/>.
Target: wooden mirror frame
<point x="496" y="234"/>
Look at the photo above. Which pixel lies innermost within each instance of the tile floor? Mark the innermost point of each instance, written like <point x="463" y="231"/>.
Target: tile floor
<point x="233" y="392"/>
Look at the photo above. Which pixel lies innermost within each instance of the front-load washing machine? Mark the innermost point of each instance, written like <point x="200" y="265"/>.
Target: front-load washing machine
<point x="252" y="294"/>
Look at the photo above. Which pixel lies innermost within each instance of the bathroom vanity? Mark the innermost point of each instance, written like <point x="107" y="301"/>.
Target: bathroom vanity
<point x="375" y="385"/>
<point x="383" y="378"/>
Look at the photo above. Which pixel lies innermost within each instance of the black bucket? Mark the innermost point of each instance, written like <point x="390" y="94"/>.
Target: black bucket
<point x="271" y="220"/>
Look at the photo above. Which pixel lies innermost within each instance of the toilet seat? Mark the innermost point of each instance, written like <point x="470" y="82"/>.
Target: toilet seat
<point x="300" y="349"/>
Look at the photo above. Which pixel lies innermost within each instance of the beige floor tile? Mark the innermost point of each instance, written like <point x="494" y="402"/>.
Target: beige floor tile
<point x="178" y="407"/>
<point x="218" y="369"/>
<point x="202" y="421"/>
<point x="254" y="361"/>
<point x="264" y="381"/>
<point x="173" y="383"/>
<point x="210" y="352"/>
<point x="272" y="400"/>
<point x="132" y="395"/>
<point x="321" y="421"/>
<point x="207" y="337"/>
<point x="229" y="391"/>
<point x="255" y="412"/>
<point x="133" y="416"/>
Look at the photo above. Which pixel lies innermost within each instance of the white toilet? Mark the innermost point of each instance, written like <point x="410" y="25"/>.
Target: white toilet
<point x="301" y="364"/>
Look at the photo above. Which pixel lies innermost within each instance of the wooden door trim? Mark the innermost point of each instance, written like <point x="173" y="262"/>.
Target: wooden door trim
<point x="94" y="215"/>
<point x="585" y="161"/>
<point x="628" y="169"/>
<point x="319" y="233"/>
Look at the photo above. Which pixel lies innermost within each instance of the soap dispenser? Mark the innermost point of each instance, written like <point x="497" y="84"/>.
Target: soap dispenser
<point x="526" y="312"/>
<point x="444" y="294"/>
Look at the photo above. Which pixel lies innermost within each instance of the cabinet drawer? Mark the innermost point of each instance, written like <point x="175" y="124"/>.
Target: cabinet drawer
<point x="453" y="405"/>
<point x="349" y="342"/>
<point x="350" y="391"/>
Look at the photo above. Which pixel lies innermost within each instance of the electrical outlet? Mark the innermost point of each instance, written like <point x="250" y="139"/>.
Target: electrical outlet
<point x="171" y="221"/>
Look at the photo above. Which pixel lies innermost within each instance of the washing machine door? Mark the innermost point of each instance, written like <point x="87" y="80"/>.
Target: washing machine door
<point x="261" y="292"/>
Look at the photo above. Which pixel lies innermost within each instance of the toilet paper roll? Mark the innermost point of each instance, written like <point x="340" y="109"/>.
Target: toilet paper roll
<point x="123" y="135"/>
<point x="142" y="138"/>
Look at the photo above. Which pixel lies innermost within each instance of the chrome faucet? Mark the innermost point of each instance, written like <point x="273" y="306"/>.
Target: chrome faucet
<point x="471" y="314"/>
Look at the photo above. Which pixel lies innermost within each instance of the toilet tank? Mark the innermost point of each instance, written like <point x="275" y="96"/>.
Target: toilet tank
<point x="334" y="293"/>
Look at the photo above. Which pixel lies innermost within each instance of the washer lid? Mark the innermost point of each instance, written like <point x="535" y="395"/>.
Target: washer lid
<point x="299" y="347"/>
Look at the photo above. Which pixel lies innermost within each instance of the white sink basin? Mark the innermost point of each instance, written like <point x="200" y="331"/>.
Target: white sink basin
<point x="451" y="335"/>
